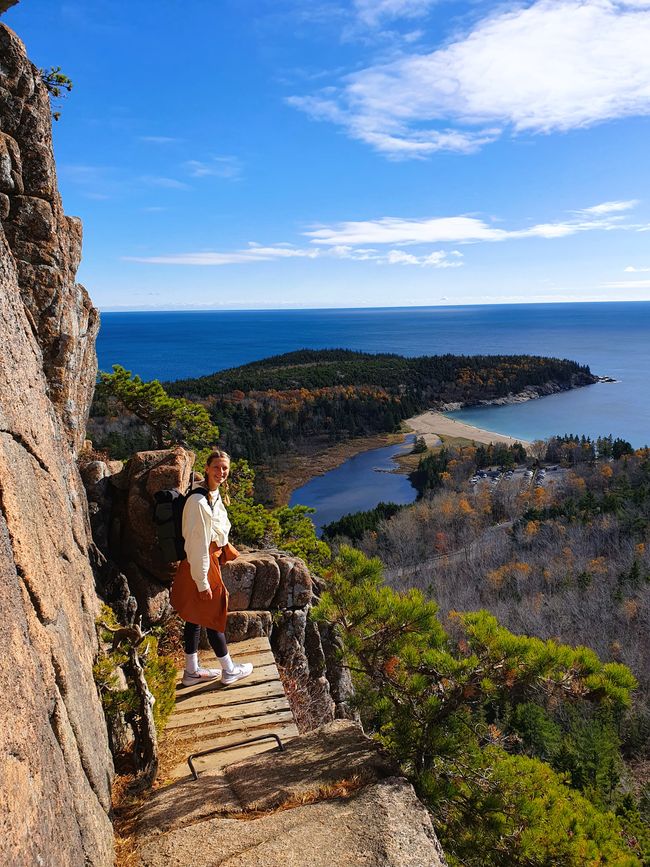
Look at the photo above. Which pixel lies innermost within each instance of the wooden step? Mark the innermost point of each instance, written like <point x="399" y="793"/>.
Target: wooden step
<point x="285" y="731"/>
<point x="259" y="674"/>
<point x="209" y="660"/>
<point x="221" y="760"/>
<point x="254" y="707"/>
<point x="250" y="645"/>
<point x="211" y="715"/>
<point x="260" y="657"/>
<point x="235" y="694"/>
<point x="211" y="729"/>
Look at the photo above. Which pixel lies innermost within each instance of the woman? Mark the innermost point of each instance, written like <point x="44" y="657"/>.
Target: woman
<point x="198" y="593"/>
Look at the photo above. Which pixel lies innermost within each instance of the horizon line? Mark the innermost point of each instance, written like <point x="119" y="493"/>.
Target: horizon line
<point x="201" y="309"/>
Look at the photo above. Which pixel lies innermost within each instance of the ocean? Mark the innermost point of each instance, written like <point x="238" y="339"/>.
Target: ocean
<point x="613" y="338"/>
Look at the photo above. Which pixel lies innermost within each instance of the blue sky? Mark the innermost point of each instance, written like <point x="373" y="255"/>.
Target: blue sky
<point x="321" y="153"/>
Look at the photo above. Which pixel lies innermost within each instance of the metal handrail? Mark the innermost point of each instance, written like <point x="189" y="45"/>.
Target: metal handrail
<point x="230" y="747"/>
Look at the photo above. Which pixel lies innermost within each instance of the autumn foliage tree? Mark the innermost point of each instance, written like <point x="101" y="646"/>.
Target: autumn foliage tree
<point x="437" y="700"/>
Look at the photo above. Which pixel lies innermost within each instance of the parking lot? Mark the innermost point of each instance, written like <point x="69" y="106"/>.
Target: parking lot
<point x="538" y="478"/>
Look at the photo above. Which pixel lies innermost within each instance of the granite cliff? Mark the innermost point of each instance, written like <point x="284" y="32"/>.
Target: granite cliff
<point x="55" y="765"/>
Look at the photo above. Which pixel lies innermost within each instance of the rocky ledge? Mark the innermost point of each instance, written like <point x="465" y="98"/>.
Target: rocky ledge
<point x="331" y="799"/>
<point x="531" y="392"/>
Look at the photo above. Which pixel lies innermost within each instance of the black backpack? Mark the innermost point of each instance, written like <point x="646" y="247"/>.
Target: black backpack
<point x="168" y="518"/>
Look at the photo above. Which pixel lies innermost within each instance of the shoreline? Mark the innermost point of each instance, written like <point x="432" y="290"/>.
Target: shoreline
<point x="433" y="425"/>
<point x="286" y="473"/>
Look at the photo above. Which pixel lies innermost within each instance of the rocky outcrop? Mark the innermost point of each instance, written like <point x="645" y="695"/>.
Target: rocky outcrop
<point x="530" y="392"/>
<point x="331" y="799"/>
<point x="55" y="765"/>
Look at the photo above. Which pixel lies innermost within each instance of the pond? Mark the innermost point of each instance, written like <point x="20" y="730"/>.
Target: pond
<point x="359" y="484"/>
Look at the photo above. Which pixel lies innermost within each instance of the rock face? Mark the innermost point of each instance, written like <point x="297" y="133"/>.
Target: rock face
<point x="232" y="817"/>
<point x="46" y="245"/>
<point x="55" y="765"/>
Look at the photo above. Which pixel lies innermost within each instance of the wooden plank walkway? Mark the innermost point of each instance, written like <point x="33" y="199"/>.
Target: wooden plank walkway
<point x="210" y="715"/>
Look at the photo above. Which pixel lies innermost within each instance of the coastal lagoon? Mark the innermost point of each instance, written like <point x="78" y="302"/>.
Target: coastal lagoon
<point x="361" y="483"/>
<point x="613" y="338"/>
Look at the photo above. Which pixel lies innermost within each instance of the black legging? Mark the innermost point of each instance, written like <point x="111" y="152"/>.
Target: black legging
<point x="192" y="633"/>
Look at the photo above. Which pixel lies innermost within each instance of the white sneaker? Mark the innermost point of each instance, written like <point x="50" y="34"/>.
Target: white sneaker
<point x="239" y="671"/>
<point x="201" y="675"/>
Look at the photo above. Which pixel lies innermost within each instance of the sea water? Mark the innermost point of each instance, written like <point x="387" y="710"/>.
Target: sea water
<point x="613" y="338"/>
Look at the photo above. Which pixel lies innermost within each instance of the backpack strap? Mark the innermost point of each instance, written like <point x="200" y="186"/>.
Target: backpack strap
<point x="204" y="493"/>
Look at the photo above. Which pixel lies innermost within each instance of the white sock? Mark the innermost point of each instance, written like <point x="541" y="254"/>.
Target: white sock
<point x="226" y="662"/>
<point x="192" y="662"/>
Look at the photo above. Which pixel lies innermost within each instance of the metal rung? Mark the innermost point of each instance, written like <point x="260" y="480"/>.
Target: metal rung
<point x="229" y="747"/>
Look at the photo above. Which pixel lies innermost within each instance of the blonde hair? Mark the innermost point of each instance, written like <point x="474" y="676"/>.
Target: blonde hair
<point x="219" y="454"/>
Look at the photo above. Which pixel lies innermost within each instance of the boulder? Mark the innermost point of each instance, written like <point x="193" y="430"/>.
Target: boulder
<point x="93" y="472"/>
<point x="248" y="624"/>
<point x="152" y="596"/>
<point x="239" y="578"/>
<point x="295" y="589"/>
<point x="147" y="473"/>
<point x="383" y="826"/>
<point x="267" y="580"/>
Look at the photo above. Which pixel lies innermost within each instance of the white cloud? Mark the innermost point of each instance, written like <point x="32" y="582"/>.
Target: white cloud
<point x="627" y="284"/>
<point x="165" y="183"/>
<point x="551" y="66"/>
<point x="389" y="138"/>
<point x="394" y="230"/>
<point x="368" y="240"/>
<point x="457" y="229"/>
<point x="610" y="207"/>
<point x="159" y="139"/>
<point x="219" y="166"/>
<point x="437" y="259"/>
<point x="258" y="253"/>
<point x="632" y="270"/>
<point x="252" y="253"/>
<point x="372" y="12"/>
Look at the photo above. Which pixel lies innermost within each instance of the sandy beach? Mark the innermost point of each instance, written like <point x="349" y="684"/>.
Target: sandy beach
<point x="433" y="425"/>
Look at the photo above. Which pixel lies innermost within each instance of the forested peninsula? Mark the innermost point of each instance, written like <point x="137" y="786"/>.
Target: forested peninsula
<point x="312" y="397"/>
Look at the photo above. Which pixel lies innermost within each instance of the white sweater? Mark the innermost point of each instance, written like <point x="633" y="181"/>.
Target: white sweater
<point x="202" y="525"/>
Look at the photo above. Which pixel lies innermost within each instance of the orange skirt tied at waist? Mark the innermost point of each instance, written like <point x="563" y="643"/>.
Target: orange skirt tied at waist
<point x="185" y="598"/>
